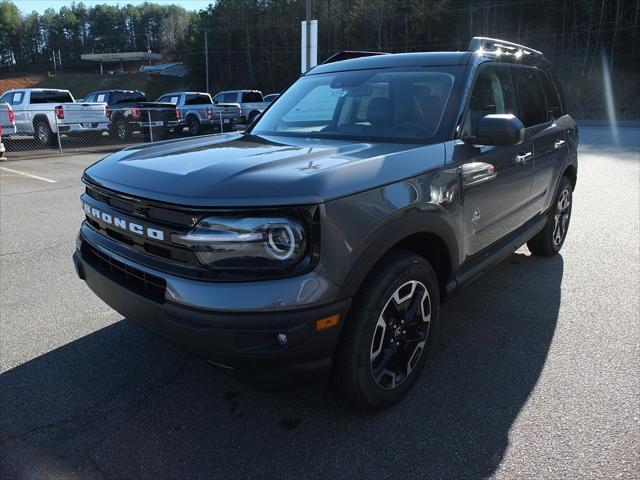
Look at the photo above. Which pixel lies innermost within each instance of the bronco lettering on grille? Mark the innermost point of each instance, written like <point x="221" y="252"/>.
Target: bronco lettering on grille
<point x="124" y="224"/>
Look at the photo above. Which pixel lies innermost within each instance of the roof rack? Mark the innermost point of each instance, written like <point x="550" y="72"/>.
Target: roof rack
<point x="349" y="54"/>
<point x="493" y="44"/>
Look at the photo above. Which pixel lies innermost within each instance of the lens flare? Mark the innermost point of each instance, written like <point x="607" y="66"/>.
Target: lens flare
<point x="611" y="107"/>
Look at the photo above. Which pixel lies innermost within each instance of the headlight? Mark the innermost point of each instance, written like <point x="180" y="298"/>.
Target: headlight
<point x="247" y="244"/>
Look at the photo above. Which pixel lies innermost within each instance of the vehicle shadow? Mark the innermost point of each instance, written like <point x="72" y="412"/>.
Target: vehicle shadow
<point x="122" y="403"/>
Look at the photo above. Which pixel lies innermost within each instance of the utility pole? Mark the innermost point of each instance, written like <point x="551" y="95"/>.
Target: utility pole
<point x="206" y="57"/>
<point x="308" y="2"/>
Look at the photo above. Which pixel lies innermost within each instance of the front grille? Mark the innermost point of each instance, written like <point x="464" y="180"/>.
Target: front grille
<point x="133" y="279"/>
<point x="142" y="209"/>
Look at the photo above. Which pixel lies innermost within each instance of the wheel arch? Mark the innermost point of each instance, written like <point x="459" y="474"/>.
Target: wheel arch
<point x="572" y="173"/>
<point x="436" y="242"/>
<point x="40" y="118"/>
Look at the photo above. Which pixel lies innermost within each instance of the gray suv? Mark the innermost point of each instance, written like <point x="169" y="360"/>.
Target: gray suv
<point x="325" y="238"/>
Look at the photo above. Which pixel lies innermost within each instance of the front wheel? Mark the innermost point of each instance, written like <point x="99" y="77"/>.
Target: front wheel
<point x="389" y="332"/>
<point x="550" y="239"/>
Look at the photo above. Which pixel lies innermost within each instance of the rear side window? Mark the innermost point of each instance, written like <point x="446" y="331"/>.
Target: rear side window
<point x="251" y="97"/>
<point x="51" y="96"/>
<point x="492" y="93"/>
<point x="533" y="109"/>
<point x="551" y="93"/>
<point x="127" y="97"/>
<point x="198" y="99"/>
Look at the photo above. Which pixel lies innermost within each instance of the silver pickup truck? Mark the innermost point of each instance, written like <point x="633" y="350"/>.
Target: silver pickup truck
<point x="251" y="103"/>
<point x="45" y="112"/>
<point x="199" y="113"/>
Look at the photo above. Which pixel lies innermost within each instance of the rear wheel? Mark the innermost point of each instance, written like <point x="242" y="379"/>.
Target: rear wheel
<point x="550" y="239"/>
<point x="44" y="134"/>
<point x="389" y="332"/>
<point x="194" y="126"/>
<point x="121" y="130"/>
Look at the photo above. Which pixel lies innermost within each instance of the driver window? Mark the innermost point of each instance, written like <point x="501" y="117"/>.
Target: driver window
<point x="492" y="93"/>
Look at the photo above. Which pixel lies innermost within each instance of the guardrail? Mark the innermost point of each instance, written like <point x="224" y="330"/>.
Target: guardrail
<point x="47" y="131"/>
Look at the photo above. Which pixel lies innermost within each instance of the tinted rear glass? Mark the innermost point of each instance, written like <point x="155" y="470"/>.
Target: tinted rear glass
<point x="127" y="97"/>
<point x="51" y="96"/>
<point x="251" y="97"/>
<point x="550" y="92"/>
<point x="533" y="109"/>
<point x="198" y="99"/>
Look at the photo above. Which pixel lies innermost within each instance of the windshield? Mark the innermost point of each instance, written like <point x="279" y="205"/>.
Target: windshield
<point x="401" y="104"/>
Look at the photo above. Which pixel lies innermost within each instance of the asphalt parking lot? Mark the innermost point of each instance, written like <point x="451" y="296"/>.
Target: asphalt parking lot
<point x="535" y="373"/>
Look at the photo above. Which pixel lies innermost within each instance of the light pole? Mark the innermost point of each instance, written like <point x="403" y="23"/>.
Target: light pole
<point x="206" y="56"/>
<point x="308" y="34"/>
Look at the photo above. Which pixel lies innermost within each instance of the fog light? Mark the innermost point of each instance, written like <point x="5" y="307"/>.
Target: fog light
<point x="283" y="339"/>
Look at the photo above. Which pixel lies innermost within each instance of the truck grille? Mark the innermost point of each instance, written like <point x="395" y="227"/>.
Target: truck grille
<point x="142" y="283"/>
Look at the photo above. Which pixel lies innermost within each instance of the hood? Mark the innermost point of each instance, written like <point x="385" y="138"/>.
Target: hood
<point x="246" y="170"/>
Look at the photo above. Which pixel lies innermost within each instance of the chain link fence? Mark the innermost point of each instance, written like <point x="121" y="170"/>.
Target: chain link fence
<point x="46" y="131"/>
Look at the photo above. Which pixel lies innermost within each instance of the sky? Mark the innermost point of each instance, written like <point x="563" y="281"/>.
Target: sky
<point x="27" y="6"/>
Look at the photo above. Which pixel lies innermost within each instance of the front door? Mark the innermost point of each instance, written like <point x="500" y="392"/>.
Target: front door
<point x="498" y="204"/>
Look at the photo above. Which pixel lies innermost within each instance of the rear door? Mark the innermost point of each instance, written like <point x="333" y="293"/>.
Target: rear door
<point x="546" y="171"/>
<point x="496" y="205"/>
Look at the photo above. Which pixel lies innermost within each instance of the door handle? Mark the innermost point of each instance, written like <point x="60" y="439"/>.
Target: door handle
<point x="558" y="144"/>
<point x="475" y="173"/>
<point x="523" y="158"/>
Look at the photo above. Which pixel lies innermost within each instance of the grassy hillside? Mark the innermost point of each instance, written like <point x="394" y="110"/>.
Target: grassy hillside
<point x="81" y="84"/>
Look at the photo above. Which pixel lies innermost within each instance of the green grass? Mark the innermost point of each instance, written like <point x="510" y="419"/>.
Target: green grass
<point x="81" y="84"/>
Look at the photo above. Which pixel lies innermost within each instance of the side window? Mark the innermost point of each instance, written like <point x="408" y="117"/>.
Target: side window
<point x="251" y="97"/>
<point x="218" y="98"/>
<point x="492" y="93"/>
<point x="90" y="98"/>
<point x="231" y="97"/>
<point x="551" y="93"/>
<point x="12" y="98"/>
<point x="198" y="99"/>
<point x="533" y="109"/>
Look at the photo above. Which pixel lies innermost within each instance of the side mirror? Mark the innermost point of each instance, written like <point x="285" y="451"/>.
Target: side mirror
<point x="498" y="129"/>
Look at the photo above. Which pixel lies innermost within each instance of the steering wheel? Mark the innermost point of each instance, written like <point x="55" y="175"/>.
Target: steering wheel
<point x="415" y="126"/>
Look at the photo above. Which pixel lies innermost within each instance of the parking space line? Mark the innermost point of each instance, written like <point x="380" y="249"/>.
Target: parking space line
<point x="10" y="170"/>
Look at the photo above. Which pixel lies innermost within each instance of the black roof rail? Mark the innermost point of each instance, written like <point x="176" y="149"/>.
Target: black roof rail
<point x="493" y="44"/>
<point x="349" y="54"/>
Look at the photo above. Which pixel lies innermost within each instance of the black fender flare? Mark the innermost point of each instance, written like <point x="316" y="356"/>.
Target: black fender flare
<point x="404" y="224"/>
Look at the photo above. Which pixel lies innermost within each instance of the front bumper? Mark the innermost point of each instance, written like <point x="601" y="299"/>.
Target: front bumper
<point x="246" y="340"/>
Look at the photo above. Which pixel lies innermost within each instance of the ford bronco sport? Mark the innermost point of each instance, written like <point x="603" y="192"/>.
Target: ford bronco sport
<point x="325" y="238"/>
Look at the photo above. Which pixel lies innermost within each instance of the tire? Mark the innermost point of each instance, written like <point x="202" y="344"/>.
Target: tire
<point x="371" y="336"/>
<point x="43" y="133"/>
<point x="121" y="131"/>
<point x="194" y="126"/>
<point x="550" y="239"/>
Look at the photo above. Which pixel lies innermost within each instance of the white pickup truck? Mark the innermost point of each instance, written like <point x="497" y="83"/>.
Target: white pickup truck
<point x="251" y="103"/>
<point x="7" y="120"/>
<point x="45" y="112"/>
